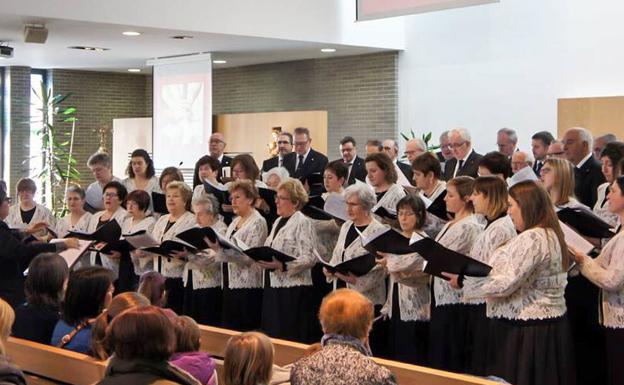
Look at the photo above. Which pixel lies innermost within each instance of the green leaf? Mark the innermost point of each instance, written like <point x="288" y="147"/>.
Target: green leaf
<point x="413" y="135"/>
<point x="69" y="110"/>
<point x="71" y="119"/>
<point x="404" y="136"/>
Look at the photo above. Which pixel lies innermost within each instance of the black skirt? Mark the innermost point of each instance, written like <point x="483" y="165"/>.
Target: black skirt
<point x="615" y="356"/>
<point x="582" y="302"/>
<point x="447" y="334"/>
<point x="203" y="305"/>
<point x="174" y="291"/>
<point x="408" y="340"/>
<point x="477" y="329"/>
<point x="536" y="352"/>
<point x="241" y="308"/>
<point x="287" y="312"/>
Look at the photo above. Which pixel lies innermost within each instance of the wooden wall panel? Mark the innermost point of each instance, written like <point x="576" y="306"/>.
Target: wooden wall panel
<point x="600" y="115"/>
<point x="252" y="132"/>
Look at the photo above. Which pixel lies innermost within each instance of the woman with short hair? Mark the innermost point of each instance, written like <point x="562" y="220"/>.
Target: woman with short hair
<point x="287" y="303"/>
<point x="346" y="318"/>
<point x="611" y="158"/>
<point x="382" y="175"/>
<point x="45" y="289"/>
<point x="77" y="219"/>
<point x="206" y="170"/>
<point x="26" y="211"/>
<point x="142" y="340"/>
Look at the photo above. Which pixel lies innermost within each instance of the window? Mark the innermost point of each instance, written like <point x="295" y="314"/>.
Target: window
<point x="37" y="79"/>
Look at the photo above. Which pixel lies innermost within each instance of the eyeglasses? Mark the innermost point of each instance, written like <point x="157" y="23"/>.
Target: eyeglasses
<point x="216" y="141"/>
<point x="405" y="213"/>
<point x="110" y="195"/>
<point x="445" y="146"/>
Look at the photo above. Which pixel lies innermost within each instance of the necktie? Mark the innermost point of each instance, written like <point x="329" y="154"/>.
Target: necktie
<point x="299" y="169"/>
<point x="461" y="164"/>
<point x="279" y="162"/>
<point x="346" y="182"/>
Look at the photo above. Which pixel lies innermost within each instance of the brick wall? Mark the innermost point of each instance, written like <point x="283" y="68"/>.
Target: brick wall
<point x="100" y="97"/>
<point x="17" y="120"/>
<point x="359" y="92"/>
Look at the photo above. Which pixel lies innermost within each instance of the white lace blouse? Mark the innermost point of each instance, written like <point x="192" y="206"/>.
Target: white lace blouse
<point x="297" y="239"/>
<point x="119" y="216"/>
<point x="495" y="235"/>
<point x="601" y="208"/>
<point x="42" y="214"/>
<point x="244" y="274"/>
<point x="414" y="290"/>
<point x="152" y="186"/>
<point x="458" y="236"/>
<point x="171" y="267"/>
<point x="390" y="199"/>
<point x="607" y="272"/>
<point x="141" y="265"/>
<point x="64" y="225"/>
<point x="527" y="280"/>
<point x="372" y="285"/>
<point x="204" y="268"/>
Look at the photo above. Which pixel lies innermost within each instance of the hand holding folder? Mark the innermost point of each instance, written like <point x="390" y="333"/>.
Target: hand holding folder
<point x="585" y="222"/>
<point x="357" y="266"/>
<point x="386" y="240"/>
<point x="108" y="232"/>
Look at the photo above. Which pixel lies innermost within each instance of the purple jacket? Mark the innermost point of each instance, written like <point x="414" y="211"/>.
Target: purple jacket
<point x="198" y="364"/>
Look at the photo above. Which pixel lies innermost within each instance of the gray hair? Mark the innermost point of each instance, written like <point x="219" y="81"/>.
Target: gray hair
<point x="364" y="192"/>
<point x="281" y="173"/>
<point x="419" y="143"/>
<point x="584" y="135"/>
<point x="511" y="134"/>
<point x="462" y="132"/>
<point x="99" y="158"/>
<point x="444" y="134"/>
<point x="607" y="138"/>
<point x="209" y="204"/>
<point x="77" y="190"/>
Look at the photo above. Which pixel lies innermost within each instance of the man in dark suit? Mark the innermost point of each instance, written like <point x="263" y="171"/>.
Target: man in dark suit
<point x="577" y="145"/>
<point x="539" y="146"/>
<point x="305" y="163"/>
<point x="391" y="148"/>
<point x="216" y="145"/>
<point x="465" y="160"/>
<point x="357" y="170"/>
<point x="284" y="147"/>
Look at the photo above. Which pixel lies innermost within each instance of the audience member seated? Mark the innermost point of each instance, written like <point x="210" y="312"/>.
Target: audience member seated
<point x="373" y="146"/>
<point x="187" y="355"/>
<point x="27" y="211"/>
<point x="206" y="170"/>
<point x="274" y="177"/>
<point x="100" y="165"/>
<point x="118" y="305"/>
<point x="9" y="373"/>
<point x="539" y="146"/>
<point x="600" y="142"/>
<point x="152" y="286"/>
<point x="284" y="147"/>
<point x="495" y="163"/>
<point x="89" y="292"/>
<point x="142" y="340"/>
<point x="577" y="144"/>
<point x="45" y="289"/>
<point x="248" y="359"/>
<point x="141" y="175"/>
<point x="77" y="219"/>
<point x="168" y="175"/>
<point x="611" y="156"/>
<point x="346" y="317"/>
<point x="555" y="150"/>
<point x="465" y="160"/>
<point x="507" y="140"/>
<point x="355" y="164"/>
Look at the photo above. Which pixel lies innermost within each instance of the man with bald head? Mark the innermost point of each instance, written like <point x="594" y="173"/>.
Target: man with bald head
<point x="600" y="142"/>
<point x="578" y="146"/>
<point x="414" y="148"/>
<point x="507" y="140"/>
<point x="216" y="146"/>
<point x="391" y="148"/>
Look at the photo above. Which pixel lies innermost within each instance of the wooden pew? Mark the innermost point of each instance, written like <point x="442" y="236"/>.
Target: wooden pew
<point x="45" y="363"/>
<point x="55" y="364"/>
<point x="213" y="340"/>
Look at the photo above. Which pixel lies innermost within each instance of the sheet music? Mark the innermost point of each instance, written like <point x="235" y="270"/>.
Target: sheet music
<point x="218" y="186"/>
<point x="526" y="173"/>
<point x="336" y="206"/>
<point x="72" y="255"/>
<point x="142" y="240"/>
<point x="416" y="237"/>
<point x="575" y="240"/>
<point x="402" y="179"/>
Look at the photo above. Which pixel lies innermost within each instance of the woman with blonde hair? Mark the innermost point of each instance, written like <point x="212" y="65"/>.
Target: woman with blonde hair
<point x="9" y="373"/>
<point x="557" y="175"/>
<point x="248" y="359"/>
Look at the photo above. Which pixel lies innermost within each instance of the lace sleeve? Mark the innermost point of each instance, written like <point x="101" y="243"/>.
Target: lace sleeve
<point x="607" y="270"/>
<point x="370" y="280"/>
<point x="514" y="264"/>
<point x="306" y="240"/>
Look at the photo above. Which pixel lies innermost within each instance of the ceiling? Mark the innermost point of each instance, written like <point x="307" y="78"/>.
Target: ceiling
<point x="133" y="52"/>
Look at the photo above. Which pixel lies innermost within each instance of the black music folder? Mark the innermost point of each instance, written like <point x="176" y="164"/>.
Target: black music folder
<point x="266" y="253"/>
<point x="219" y="191"/>
<point x="159" y="201"/>
<point x="440" y="259"/>
<point x="388" y="241"/>
<point x="108" y="232"/>
<point x="386" y="214"/>
<point x="585" y="222"/>
<point x="167" y="248"/>
<point x="130" y="242"/>
<point x="195" y="237"/>
<point x="268" y="195"/>
<point x="357" y="266"/>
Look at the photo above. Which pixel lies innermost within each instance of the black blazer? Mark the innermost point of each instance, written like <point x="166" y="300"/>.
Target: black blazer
<point x="226" y="161"/>
<point x="358" y="171"/>
<point x="469" y="168"/>
<point x="406" y="169"/>
<point x="270" y="163"/>
<point x="314" y="164"/>
<point x="537" y="166"/>
<point x="586" y="181"/>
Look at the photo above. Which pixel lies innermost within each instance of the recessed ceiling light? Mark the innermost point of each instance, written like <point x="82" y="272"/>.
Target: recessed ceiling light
<point x="182" y="37"/>
<point x="134" y="70"/>
<point x="219" y="61"/>
<point x="131" y="33"/>
<point x="328" y="50"/>
<point x="80" y="47"/>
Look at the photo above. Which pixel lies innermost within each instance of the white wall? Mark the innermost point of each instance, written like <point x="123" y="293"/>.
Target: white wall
<point x="506" y="64"/>
<point x="327" y="21"/>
